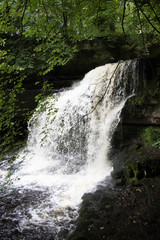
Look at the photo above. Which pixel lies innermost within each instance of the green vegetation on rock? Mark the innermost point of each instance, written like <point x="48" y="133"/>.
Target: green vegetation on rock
<point x="38" y="35"/>
<point x="152" y="136"/>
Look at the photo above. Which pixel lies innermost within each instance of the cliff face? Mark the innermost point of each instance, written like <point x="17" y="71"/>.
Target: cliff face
<point x="144" y="108"/>
<point x="128" y="207"/>
<point x="137" y="138"/>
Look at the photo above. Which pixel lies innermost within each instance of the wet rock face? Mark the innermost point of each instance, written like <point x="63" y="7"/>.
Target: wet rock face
<point x="142" y="162"/>
<point x="147" y="114"/>
<point x="152" y="113"/>
<point x="144" y="108"/>
<point x="130" y="209"/>
<point x="127" y="213"/>
<point x="136" y="158"/>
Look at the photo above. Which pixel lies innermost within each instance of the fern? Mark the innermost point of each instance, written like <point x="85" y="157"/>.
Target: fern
<point x="152" y="136"/>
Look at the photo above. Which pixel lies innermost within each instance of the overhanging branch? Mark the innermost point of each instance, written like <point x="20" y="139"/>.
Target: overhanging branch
<point x="148" y="20"/>
<point x="142" y="34"/>
<point x="123" y="17"/>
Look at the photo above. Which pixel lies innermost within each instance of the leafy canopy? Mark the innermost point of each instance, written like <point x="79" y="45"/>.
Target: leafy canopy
<point x="37" y="35"/>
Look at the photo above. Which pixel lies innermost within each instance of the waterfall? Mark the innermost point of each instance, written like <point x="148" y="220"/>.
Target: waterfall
<point x="69" y="142"/>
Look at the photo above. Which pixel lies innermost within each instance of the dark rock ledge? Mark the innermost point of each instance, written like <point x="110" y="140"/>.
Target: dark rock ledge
<point x="131" y="212"/>
<point x="129" y="208"/>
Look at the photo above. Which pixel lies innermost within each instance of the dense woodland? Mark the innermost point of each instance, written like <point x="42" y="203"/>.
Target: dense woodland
<point x="38" y="35"/>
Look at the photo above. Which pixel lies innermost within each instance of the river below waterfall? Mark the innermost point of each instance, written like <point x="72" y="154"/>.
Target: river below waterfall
<point x="67" y="154"/>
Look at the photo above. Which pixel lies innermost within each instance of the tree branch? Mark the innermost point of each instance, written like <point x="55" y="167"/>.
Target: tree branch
<point x="101" y="98"/>
<point x="99" y="8"/>
<point x="142" y="34"/>
<point x="148" y="20"/>
<point x="44" y="6"/>
<point x="25" y="7"/>
<point x="123" y="17"/>
<point x="158" y="19"/>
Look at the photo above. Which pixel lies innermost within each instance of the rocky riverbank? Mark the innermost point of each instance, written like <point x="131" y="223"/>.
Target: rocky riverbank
<point x="129" y="207"/>
<point x="128" y="212"/>
<point x="126" y="206"/>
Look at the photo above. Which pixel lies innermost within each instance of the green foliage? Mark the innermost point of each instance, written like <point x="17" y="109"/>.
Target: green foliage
<point x="11" y="79"/>
<point x="140" y="100"/>
<point x="28" y="46"/>
<point x="49" y="108"/>
<point x="38" y="35"/>
<point x="11" y="126"/>
<point x="132" y="173"/>
<point x="152" y="136"/>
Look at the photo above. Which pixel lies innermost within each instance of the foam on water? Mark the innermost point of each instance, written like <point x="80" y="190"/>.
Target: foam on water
<point x="69" y="141"/>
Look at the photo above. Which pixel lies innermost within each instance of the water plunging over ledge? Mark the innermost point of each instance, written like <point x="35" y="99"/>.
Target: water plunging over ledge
<point x="68" y="146"/>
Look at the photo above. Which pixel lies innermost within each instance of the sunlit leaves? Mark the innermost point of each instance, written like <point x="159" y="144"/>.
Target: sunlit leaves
<point x="38" y="35"/>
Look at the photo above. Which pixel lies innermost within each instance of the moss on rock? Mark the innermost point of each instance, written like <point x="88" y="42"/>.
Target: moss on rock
<point x="142" y="161"/>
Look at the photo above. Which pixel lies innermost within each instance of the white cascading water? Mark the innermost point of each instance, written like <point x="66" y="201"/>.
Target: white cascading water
<point x="69" y="141"/>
